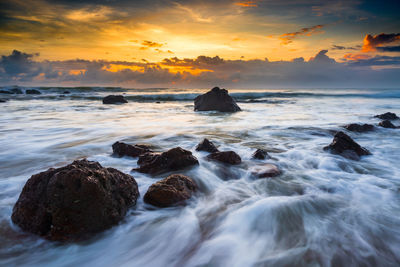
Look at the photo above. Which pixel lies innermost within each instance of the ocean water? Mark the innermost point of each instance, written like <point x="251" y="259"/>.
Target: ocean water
<point x="324" y="210"/>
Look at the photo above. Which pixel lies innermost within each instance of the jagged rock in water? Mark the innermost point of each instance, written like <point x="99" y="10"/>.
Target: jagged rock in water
<point x="121" y="149"/>
<point x="229" y="157"/>
<point x="171" y="160"/>
<point x="387" y="116"/>
<point x="171" y="191"/>
<point x="343" y="145"/>
<point x="216" y="99"/>
<point x="387" y="124"/>
<point x="32" y="92"/>
<point x="207" y="145"/>
<point x="74" y="201"/>
<point x="114" y="99"/>
<point x="260" y="154"/>
<point x="355" y="127"/>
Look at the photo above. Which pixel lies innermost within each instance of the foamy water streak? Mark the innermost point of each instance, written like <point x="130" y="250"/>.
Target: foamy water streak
<point x="323" y="210"/>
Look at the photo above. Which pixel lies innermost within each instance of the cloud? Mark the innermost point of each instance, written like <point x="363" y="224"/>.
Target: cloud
<point x="203" y="72"/>
<point x="287" y="38"/>
<point x="389" y="49"/>
<point x="377" y="42"/>
<point x="247" y="3"/>
<point x="356" y="57"/>
<point x="340" y="47"/>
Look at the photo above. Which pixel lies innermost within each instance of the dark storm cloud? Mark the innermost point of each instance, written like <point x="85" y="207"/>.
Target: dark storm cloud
<point x="372" y="43"/>
<point x="389" y="49"/>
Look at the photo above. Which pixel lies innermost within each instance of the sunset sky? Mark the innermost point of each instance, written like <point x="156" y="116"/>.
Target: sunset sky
<point x="266" y="43"/>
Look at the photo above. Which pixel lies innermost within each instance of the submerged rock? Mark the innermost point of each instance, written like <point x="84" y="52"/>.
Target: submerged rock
<point x="114" y="99"/>
<point x="387" y="116"/>
<point x="171" y="160"/>
<point x="260" y="154"/>
<point x="216" y="99"/>
<point x="387" y="124"/>
<point x="173" y="190"/>
<point x="74" y="201"/>
<point x="355" y="127"/>
<point x="343" y="145"/>
<point x="207" y="145"/>
<point x="266" y="170"/>
<point x="32" y="92"/>
<point x="121" y="149"/>
<point x="229" y="157"/>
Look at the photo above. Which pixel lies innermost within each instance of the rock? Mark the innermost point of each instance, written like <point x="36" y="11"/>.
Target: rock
<point x="173" y="190"/>
<point x="171" y="160"/>
<point x="114" y="99"/>
<point x="266" y="171"/>
<point x="343" y="145"/>
<point x="229" y="157"/>
<point x="66" y="92"/>
<point x="121" y="149"/>
<point x="387" y="116"/>
<point x="387" y="124"/>
<point x="206" y="145"/>
<point x="32" y="92"/>
<point x="260" y="154"/>
<point x="216" y="99"/>
<point x="3" y="100"/>
<point x="5" y="92"/>
<point x="354" y="127"/>
<point x="74" y="201"/>
<point x="16" y="91"/>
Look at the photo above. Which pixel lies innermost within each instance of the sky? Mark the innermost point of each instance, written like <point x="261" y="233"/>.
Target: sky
<point x="200" y="43"/>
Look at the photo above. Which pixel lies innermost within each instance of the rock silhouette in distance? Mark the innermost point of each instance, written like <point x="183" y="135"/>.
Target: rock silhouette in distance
<point x="114" y="99"/>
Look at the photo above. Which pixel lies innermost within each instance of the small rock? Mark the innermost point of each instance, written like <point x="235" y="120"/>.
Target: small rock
<point x="114" y="99"/>
<point x="171" y="160"/>
<point x="66" y="92"/>
<point x="5" y="92"/>
<point x="387" y="116"/>
<point x="229" y="157"/>
<point x="3" y="100"/>
<point x="387" y="124"/>
<point x="343" y="145"/>
<point x="121" y="149"/>
<point x="32" y="92"/>
<point x="16" y="91"/>
<point x="260" y="154"/>
<point x="74" y="201"/>
<point x="216" y="99"/>
<point x="207" y="145"/>
<point x="266" y="171"/>
<point x="173" y="190"/>
<point x="354" y="127"/>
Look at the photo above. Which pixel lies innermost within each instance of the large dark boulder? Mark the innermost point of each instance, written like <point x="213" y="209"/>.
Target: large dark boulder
<point x="216" y="99"/>
<point x="343" y="145"/>
<point x="387" y="116"/>
<point x="171" y="160"/>
<point x="207" y="145"/>
<point x="354" y="127"/>
<point x="114" y="99"/>
<point x="229" y="157"/>
<point x="32" y="92"/>
<point x="121" y="149"/>
<point x="74" y="201"/>
<point x="260" y="154"/>
<point x="266" y="170"/>
<point x="387" y="124"/>
<point x="171" y="191"/>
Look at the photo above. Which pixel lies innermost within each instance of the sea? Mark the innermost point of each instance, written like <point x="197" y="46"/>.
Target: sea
<point x="323" y="210"/>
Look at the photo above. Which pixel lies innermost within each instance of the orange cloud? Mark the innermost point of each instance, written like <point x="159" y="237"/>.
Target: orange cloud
<point x="247" y="3"/>
<point x="351" y="56"/>
<point x="287" y="38"/>
<point x="371" y="43"/>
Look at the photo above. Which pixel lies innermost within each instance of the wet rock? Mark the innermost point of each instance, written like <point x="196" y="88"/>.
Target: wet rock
<point x="387" y="116"/>
<point x="5" y="92"/>
<point x="171" y="191"/>
<point x="121" y="149"/>
<point x="354" y="127"/>
<point x="266" y="171"/>
<point x="207" y="145"/>
<point x="387" y="124"/>
<point x="74" y="201"/>
<point x="229" y="157"/>
<point x="66" y="92"/>
<point x="171" y="160"/>
<point x="216" y="99"/>
<point x="343" y="145"/>
<point x="3" y="100"/>
<point x="114" y="99"/>
<point x="16" y="91"/>
<point x="260" y="154"/>
<point x="32" y="92"/>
